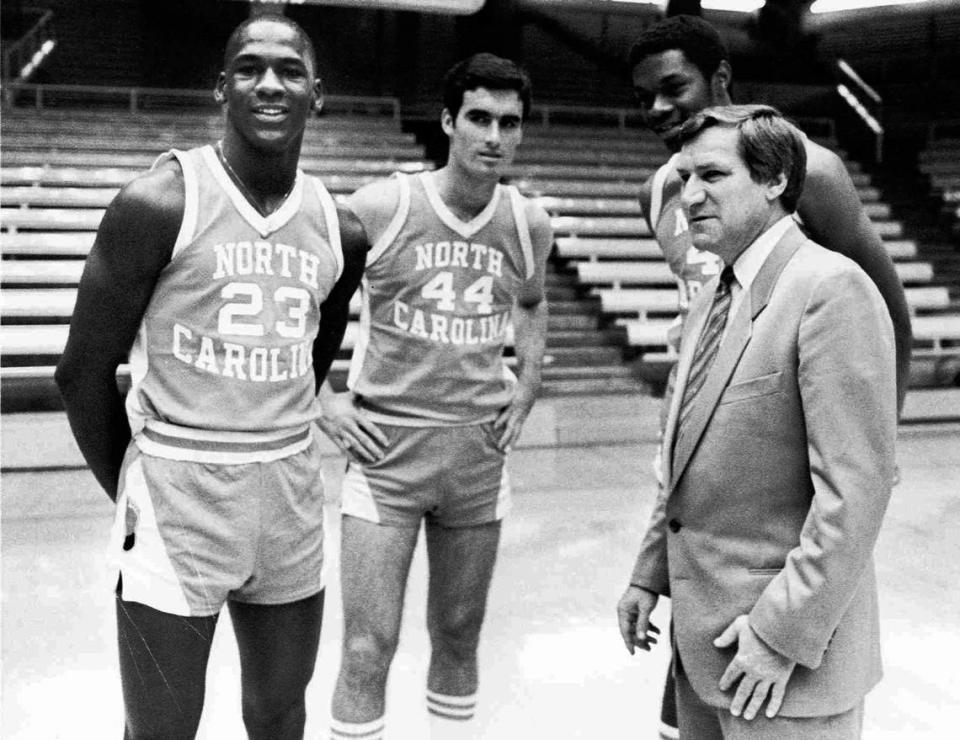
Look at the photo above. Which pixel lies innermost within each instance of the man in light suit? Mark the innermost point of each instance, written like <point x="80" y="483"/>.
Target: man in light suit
<point x="779" y="449"/>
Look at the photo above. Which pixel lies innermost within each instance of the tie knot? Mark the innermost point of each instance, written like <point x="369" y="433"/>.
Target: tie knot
<point x="726" y="279"/>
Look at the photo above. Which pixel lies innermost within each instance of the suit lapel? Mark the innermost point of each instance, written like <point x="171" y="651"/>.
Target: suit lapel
<point x="738" y="336"/>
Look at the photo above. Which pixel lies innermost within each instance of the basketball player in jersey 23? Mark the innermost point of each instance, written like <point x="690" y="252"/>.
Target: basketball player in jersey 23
<point x="432" y="409"/>
<point x="226" y="274"/>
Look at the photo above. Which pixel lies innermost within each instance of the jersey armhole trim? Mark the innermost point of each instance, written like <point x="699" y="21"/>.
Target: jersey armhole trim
<point x="656" y="193"/>
<point x="191" y="198"/>
<point x="332" y="221"/>
<point x="396" y="223"/>
<point x="523" y="229"/>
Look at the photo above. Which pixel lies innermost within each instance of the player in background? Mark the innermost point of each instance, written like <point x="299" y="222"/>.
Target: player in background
<point x="226" y="274"/>
<point x="432" y="409"/>
<point x="680" y="66"/>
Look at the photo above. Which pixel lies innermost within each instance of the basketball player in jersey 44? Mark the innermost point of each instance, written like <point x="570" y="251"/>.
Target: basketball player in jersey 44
<point x="432" y="409"/>
<point x="225" y="275"/>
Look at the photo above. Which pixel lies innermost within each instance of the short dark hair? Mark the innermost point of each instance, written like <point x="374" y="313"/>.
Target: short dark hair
<point x="768" y="144"/>
<point x="484" y="70"/>
<point x="697" y="39"/>
<point x="236" y="38"/>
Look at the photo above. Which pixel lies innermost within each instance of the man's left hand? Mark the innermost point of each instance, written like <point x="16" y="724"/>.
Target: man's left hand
<point x="760" y="669"/>
<point x="510" y="421"/>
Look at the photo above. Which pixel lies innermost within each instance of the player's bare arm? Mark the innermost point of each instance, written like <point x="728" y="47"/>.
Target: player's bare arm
<point x="372" y="207"/>
<point x="133" y="245"/>
<point x="529" y="330"/>
<point x="644" y="197"/>
<point x="834" y="216"/>
<point x="335" y="310"/>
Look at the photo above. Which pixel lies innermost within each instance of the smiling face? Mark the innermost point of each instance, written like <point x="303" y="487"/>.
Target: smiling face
<point x="670" y="89"/>
<point x="725" y="207"/>
<point x="268" y="85"/>
<point x="485" y="134"/>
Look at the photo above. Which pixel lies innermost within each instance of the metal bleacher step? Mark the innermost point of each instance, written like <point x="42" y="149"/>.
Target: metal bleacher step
<point x="554" y="372"/>
<point x="583" y="306"/>
<point x="585" y="356"/>
<point x="326" y="163"/>
<point x="588" y="336"/>
<point x="590" y="386"/>
<point x="560" y="292"/>
<point x="633" y="175"/>
<point x="115" y="177"/>
<point x="562" y="322"/>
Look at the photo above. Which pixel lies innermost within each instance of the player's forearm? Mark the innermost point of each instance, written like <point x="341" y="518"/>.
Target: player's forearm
<point x="880" y="268"/>
<point x="327" y="345"/>
<point x="98" y="422"/>
<point x="529" y="343"/>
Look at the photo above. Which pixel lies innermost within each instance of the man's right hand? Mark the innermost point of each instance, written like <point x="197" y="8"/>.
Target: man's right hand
<point x="633" y="613"/>
<point x="345" y="423"/>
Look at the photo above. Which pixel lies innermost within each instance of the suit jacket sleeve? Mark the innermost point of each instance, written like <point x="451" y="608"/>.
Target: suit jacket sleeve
<point x="846" y="379"/>
<point x="650" y="567"/>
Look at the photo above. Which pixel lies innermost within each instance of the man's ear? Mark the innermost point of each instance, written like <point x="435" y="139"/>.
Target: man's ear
<point x="446" y="122"/>
<point x="317" y="95"/>
<point x="219" y="93"/>
<point x="776" y="187"/>
<point x="720" y="82"/>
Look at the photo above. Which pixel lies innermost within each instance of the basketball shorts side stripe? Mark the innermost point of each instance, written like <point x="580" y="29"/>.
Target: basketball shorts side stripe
<point x="148" y="573"/>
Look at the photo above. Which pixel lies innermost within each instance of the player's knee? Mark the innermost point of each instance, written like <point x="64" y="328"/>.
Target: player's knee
<point x="368" y="656"/>
<point x="270" y="714"/>
<point x="457" y="631"/>
<point x="162" y="726"/>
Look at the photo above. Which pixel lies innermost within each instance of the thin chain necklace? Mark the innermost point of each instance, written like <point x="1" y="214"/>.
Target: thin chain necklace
<point x="238" y="181"/>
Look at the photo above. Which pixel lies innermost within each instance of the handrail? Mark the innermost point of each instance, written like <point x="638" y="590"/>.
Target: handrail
<point x="871" y="119"/>
<point x="139" y="98"/>
<point x="20" y="54"/>
<point x="852" y="74"/>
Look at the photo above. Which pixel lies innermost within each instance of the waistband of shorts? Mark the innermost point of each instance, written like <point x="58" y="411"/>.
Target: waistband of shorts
<point x="187" y="444"/>
<point x="385" y="417"/>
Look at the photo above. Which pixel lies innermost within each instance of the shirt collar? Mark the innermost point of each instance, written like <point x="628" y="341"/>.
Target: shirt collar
<point x="748" y="264"/>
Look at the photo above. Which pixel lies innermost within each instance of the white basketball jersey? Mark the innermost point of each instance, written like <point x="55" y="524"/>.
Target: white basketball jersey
<point x="222" y="367"/>
<point x="437" y="299"/>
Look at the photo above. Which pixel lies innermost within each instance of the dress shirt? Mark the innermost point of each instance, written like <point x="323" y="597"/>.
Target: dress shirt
<point x="751" y="259"/>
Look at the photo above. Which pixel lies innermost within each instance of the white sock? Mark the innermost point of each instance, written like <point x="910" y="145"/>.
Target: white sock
<point x="372" y="730"/>
<point x="668" y="732"/>
<point x="450" y="716"/>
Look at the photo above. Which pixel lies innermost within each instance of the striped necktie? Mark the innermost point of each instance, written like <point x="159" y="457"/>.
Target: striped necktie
<point x="708" y="343"/>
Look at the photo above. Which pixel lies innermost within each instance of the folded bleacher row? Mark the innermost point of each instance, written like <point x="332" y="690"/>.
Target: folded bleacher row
<point x="611" y="294"/>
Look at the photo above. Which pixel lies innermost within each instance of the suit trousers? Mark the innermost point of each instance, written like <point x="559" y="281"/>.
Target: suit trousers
<point x="700" y="721"/>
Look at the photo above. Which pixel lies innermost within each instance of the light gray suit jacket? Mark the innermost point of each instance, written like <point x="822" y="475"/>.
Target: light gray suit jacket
<point x="779" y="480"/>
